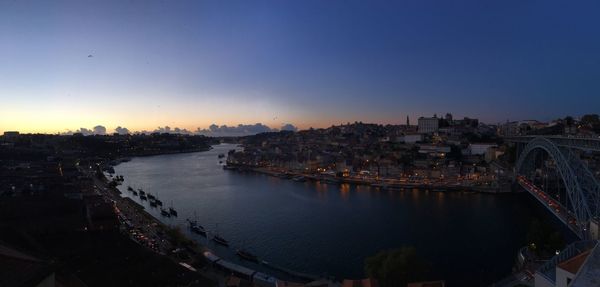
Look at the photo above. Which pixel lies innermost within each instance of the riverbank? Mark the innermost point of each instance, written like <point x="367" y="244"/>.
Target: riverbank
<point x="219" y="268"/>
<point x="149" y="232"/>
<point x="109" y="166"/>
<point x="383" y="184"/>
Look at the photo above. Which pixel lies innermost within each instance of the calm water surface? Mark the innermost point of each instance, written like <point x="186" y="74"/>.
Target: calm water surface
<point x="469" y="239"/>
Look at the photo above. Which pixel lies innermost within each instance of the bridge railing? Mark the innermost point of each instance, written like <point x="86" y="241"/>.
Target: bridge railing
<point x="583" y="143"/>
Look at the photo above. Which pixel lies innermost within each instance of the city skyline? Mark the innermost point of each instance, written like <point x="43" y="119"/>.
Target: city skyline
<point x="143" y="65"/>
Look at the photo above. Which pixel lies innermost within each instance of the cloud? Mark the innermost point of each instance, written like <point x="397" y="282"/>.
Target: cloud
<point x="182" y="131"/>
<point x="289" y="127"/>
<point x="99" y="130"/>
<point x="84" y="131"/>
<point x="122" y="131"/>
<point x="170" y="130"/>
<point x="213" y="130"/>
<point x="162" y="130"/>
<point x="239" y="130"/>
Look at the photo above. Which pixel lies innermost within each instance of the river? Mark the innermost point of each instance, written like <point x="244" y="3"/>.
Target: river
<point x="469" y="239"/>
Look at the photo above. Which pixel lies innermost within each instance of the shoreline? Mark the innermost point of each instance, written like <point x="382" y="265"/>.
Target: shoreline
<point x="381" y="184"/>
<point x="198" y="248"/>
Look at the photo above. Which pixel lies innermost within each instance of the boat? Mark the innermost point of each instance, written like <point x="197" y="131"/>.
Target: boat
<point x="198" y="229"/>
<point x="247" y="255"/>
<point x="172" y="210"/>
<point x="135" y="193"/>
<point x="299" y="178"/>
<point x="150" y="196"/>
<point x="217" y="238"/>
<point x="221" y="155"/>
<point x="130" y="188"/>
<point x="194" y="227"/>
<point x="143" y="197"/>
<point x="152" y="203"/>
<point x="164" y="212"/>
<point x="142" y="192"/>
<point x="192" y="222"/>
<point x="220" y="240"/>
<point x="158" y="202"/>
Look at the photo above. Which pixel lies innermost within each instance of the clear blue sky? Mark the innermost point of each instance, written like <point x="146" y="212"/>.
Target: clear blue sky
<point x="310" y="63"/>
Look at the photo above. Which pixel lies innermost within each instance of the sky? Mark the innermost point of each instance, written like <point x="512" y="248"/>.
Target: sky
<point x="190" y="64"/>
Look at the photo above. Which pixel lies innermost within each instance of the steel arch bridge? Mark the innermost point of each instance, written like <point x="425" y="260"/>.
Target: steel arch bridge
<point x="582" y="187"/>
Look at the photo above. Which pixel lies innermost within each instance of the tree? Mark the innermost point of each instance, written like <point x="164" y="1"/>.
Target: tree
<point x="396" y="267"/>
<point x="543" y="239"/>
<point x="569" y="121"/>
<point x="591" y="121"/>
<point x="510" y="154"/>
<point x="177" y="237"/>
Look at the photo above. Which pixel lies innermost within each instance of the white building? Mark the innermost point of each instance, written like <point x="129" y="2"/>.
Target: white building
<point x="429" y="125"/>
<point x="480" y="148"/>
<point x="410" y="138"/>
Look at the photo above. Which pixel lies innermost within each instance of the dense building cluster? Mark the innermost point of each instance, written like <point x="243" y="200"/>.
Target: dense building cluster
<point x="394" y="151"/>
<point x="436" y="148"/>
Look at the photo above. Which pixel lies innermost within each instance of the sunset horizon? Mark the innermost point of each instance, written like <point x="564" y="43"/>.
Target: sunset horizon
<point x="304" y="143"/>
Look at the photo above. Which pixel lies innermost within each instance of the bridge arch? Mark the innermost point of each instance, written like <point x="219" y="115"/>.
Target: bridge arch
<point x="566" y="164"/>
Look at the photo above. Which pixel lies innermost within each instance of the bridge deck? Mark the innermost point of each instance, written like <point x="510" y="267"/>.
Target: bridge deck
<point x="557" y="209"/>
<point x="590" y="144"/>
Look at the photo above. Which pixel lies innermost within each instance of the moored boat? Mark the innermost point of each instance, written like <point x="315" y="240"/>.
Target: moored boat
<point x="220" y="240"/>
<point x="246" y="255"/>
<point x="198" y="229"/>
<point x="299" y="178"/>
<point x="129" y="188"/>
<point x="143" y="197"/>
<point x="164" y="212"/>
<point x="172" y="210"/>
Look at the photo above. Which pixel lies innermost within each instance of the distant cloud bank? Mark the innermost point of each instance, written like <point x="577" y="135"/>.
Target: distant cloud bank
<point x="121" y="131"/>
<point x="213" y="130"/>
<point x="97" y="130"/>
<point x="241" y="130"/>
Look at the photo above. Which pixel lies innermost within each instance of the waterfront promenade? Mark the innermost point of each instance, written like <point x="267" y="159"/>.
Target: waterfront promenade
<point x="149" y="232"/>
<point x="171" y="241"/>
<point x="411" y="182"/>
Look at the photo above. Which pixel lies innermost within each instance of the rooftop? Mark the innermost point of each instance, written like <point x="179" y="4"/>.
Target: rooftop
<point x="589" y="274"/>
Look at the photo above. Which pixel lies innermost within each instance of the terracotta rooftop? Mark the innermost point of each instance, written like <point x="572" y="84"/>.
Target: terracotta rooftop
<point x="440" y="283"/>
<point x="369" y="282"/>
<point x="573" y="264"/>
